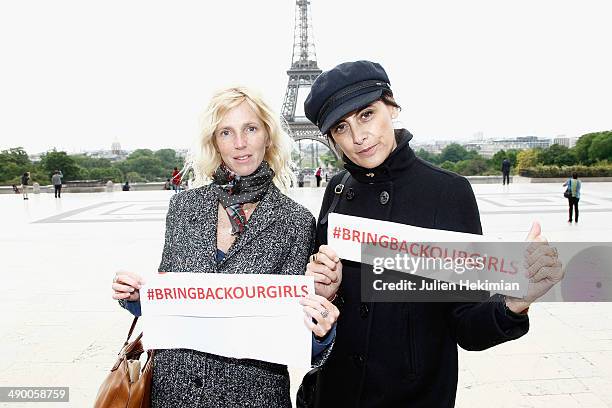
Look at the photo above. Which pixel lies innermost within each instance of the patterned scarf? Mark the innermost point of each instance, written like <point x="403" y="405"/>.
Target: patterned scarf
<point x="234" y="191"/>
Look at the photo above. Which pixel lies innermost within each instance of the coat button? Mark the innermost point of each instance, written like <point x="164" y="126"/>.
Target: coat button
<point x="198" y="382"/>
<point x="364" y="310"/>
<point x="350" y="194"/>
<point x="384" y="198"/>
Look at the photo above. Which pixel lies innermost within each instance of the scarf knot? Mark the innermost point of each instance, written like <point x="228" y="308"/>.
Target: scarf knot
<point x="235" y="190"/>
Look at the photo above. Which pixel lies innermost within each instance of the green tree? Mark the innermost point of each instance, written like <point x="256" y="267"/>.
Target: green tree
<point x="471" y="167"/>
<point x="527" y="158"/>
<point x="454" y="152"/>
<point x="13" y="163"/>
<point x="134" y="177"/>
<point x="15" y="155"/>
<point x="140" y="152"/>
<point x="601" y="147"/>
<point x="55" y="160"/>
<point x="427" y="156"/>
<point x="448" y="165"/>
<point x="582" y="147"/>
<point x="496" y="161"/>
<point x="91" y="162"/>
<point x="150" y="168"/>
<point x="328" y="158"/>
<point x="557" y="155"/>
<point x="106" y="173"/>
<point x="169" y="158"/>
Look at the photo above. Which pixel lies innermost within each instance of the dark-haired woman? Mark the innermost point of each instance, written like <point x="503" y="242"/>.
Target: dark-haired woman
<point x="396" y="354"/>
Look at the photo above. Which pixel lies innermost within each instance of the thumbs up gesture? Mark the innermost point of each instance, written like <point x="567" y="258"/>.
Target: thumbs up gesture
<point x="543" y="269"/>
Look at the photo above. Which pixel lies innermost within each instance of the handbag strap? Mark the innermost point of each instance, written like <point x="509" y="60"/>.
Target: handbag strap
<point x="338" y="190"/>
<point x="131" y="329"/>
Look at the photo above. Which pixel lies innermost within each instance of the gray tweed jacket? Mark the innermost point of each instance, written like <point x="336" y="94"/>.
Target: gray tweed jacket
<point x="279" y="238"/>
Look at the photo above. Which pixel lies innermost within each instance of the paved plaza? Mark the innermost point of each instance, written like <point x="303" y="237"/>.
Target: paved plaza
<point x="60" y="326"/>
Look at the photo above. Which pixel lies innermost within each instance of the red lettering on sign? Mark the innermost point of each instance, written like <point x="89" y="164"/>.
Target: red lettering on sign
<point x="168" y="293"/>
<point x="346" y="234"/>
<point x="191" y="292"/>
<point x="250" y="295"/>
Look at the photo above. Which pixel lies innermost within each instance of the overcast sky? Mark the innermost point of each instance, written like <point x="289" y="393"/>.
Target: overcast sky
<point x="77" y="75"/>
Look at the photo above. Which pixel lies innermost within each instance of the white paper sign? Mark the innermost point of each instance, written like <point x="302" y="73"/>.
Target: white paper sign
<point x="253" y="316"/>
<point x="503" y="264"/>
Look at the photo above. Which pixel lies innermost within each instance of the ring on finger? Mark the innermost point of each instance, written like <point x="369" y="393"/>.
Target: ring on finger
<point x="324" y="313"/>
<point x="115" y="279"/>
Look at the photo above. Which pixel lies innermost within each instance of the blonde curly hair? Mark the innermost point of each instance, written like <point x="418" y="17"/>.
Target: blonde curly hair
<point x="204" y="158"/>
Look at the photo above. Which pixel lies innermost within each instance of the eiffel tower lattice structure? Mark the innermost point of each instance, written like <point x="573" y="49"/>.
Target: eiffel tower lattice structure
<point x="304" y="70"/>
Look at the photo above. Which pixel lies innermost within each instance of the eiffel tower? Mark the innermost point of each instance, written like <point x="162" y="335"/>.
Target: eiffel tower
<point x="304" y="70"/>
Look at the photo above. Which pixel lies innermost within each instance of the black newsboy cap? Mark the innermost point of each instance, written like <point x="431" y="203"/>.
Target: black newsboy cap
<point x="343" y="89"/>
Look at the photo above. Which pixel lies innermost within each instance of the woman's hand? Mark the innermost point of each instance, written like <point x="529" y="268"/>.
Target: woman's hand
<point x="126" y="285"/>
<point x="322" y="311"/>
<point x="326" y="268"/>
<point x="544" y="269"/>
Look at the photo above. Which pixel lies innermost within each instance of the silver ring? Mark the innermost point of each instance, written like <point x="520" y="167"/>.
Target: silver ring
<point x="325" y="313"/>
<point x="115" y="279"/>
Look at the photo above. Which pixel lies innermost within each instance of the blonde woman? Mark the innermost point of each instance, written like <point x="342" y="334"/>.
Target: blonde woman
<point x="235" y="220"/>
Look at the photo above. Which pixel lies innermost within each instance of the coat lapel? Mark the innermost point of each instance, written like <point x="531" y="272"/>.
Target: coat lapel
<point x="264" y="215"/>
<point x="203" y="225"/>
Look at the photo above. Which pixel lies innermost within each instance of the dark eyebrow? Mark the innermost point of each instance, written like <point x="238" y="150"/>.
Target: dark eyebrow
<point x="365" y="107"/>
<point x="355" y="112"/>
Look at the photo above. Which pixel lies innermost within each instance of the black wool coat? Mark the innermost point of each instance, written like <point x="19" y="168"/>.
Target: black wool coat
<point x="405" y="354"/>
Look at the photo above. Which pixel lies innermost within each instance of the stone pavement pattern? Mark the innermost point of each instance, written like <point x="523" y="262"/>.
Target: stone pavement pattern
<point x="60" y="327"/>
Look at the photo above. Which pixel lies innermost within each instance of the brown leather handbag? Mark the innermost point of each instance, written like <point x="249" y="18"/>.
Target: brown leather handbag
<point x="128" y="386"/>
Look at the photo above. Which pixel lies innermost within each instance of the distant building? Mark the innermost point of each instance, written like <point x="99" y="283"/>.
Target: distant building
<point x="565" y="141"/>
<point x="487" y="148"/>
<point x="436" y="147"/>
<point x="116" y="147"/>
<point x="107" y="154"/>
<point x="114" y="154"/>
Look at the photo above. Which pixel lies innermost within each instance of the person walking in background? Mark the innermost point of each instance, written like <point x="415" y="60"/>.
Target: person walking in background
<point x="300" y="179"/>
<point x="318" y="176"/>
<point x="126" y="186"/>
<point x="176" y="180"/>
<point x="56" y="180"/>
<point x="573" y="195"/>
<point x="505" y="171"/>
<point x="24" y="184"/>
